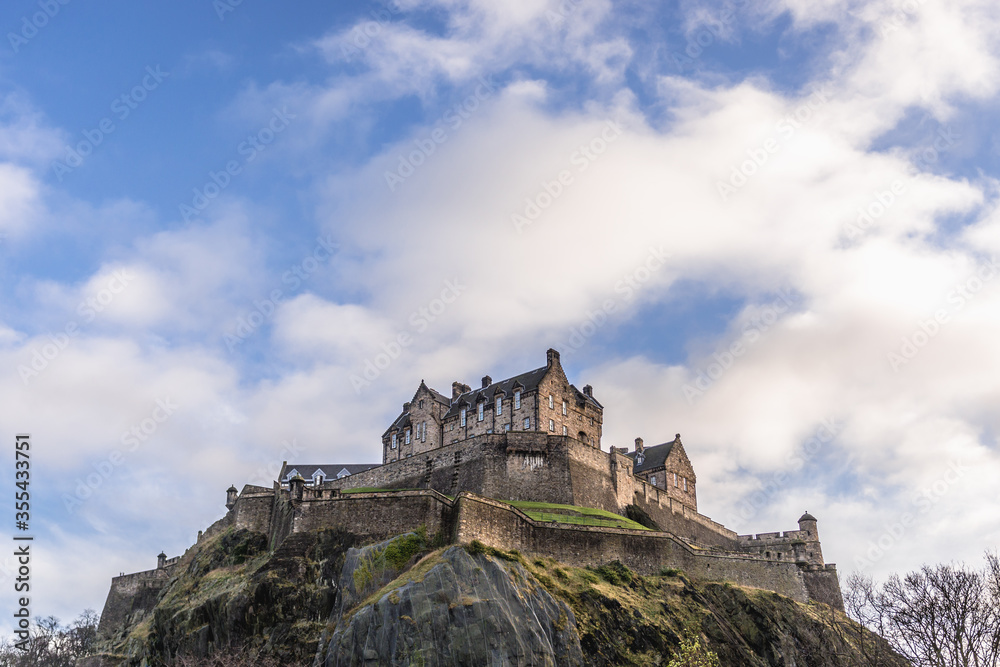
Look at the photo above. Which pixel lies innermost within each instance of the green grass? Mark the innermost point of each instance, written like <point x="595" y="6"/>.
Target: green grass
<point x="571" y="514"/>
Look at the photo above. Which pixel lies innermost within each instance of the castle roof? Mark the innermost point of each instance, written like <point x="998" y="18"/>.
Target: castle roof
<point x="654" y="457"/>
<point x="528" y="381"/>
<point x="330" y="470"/>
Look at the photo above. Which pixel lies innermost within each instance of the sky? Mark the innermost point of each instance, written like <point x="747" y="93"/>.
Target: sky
<point x="234" y="233"/>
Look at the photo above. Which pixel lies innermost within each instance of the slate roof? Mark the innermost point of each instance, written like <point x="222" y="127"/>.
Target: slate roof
<point x="307" y="470"/>
<point x="655" y="457"/>
<point x="527" y="381"/>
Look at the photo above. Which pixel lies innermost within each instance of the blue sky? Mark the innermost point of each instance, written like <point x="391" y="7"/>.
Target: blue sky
<point x="768" y="226"/>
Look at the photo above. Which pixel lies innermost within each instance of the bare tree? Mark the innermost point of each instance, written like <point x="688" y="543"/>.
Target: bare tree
<point x="941" y="616"/>
<point x="50" y="644"/>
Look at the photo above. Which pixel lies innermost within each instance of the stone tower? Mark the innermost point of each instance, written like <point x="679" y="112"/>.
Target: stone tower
<point x="810" y="535"/>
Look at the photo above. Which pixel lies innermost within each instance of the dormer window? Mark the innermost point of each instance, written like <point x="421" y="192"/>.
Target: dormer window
<point x="462" y="416"/>
<point x="292" y="473"/>
<point x="517" y="399"/>
<point x="318" y="477"/>
<point x="344" y="472"/>
<point x="481" y="414"/>
<point x="394" y="441"/>
<point x="499" y="405"/>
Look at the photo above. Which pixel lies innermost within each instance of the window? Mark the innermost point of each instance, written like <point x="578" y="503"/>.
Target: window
<point x="552" y="426"/>
<point x="480" y="411"/>
<point x="517" y="399"/>
<point x="652" y="480"/>
<point x="675" y="480"/>
<point x="565" y="430"/>
<point x="527" y="423"/>
<point x="506" y="427"/>
<point x="551" y="403"/>
<point x="407" y="436"/>
<point x="685" y="484"/>
<point x="394" y="441"/>
<point x="564" y="408"/>
<point x="463" y="416"/>
<point x="420" y="404"/>
<point x="499" y="405"/>
<point x="423" y="431"/>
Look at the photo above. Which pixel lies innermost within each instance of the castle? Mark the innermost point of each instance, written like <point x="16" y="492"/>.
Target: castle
<point x="454" y="465"/>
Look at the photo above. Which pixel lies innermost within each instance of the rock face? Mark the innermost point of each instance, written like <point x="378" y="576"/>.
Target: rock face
<point x="325" y="599"/>
<point x="462" y="610"/>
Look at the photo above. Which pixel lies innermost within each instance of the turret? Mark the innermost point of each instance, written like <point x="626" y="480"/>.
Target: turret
<point x="296" y="485"/>
<point x="161" y="561"/>
<point x="231" y="495"/>
<point x="810" y="535"/>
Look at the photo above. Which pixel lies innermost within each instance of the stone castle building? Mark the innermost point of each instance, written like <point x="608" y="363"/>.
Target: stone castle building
<point x="449" y="465"/>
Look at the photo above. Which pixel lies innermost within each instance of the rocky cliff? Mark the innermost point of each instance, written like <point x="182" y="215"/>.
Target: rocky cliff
<point x="324" y="599"/>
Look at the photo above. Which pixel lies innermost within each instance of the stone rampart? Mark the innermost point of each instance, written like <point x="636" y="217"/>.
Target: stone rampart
<point x="131" y="593"/>
<point x="501" y="526"/>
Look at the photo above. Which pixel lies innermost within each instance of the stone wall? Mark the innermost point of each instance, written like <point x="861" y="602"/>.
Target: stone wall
<point x="377" y="516"/>
<point x="504" y="527"/>
<point x="131" y="593"/>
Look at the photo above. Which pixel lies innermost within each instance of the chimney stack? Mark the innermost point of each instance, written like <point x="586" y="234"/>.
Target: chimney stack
<point x="551" y="358"/>
<point x="487" y="381"/>
<point x="638" y="445"/>
<point x="588" y="390"/>
<point x="406" y="407"/>
<point x="457" y="389"/>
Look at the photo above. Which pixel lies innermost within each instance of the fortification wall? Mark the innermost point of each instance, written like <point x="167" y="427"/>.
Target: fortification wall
<point x="823" y="585"/>
<point x="132" y="593"/>
<point x="501" y="526"/>
<point x="376" y="516"/>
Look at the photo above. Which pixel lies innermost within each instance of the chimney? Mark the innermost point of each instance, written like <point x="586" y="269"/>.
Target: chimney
<point x="406" y="407"/>
<point x="551" y="358"/>
<point x="638" y="445"/>
<point x="487" y="381"/>
<point x="588" y="390"/>
<point x="457" y="389"/>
